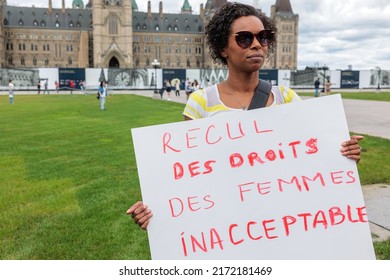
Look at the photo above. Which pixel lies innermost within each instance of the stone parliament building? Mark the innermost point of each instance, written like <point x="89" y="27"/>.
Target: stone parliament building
<point x="115" y="34"/>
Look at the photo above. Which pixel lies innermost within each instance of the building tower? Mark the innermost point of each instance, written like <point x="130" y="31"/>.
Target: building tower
<point x="286" y="21"/>
<point x="112" y="33"/>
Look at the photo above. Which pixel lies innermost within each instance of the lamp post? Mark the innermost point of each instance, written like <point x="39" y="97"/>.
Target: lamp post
<point x="155" y="64"/>
<point x="379" y="78"/>
<point x="323" y="84"/>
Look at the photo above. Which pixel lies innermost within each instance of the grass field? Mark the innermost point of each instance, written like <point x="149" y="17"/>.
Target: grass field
<point x="68" y="175"/>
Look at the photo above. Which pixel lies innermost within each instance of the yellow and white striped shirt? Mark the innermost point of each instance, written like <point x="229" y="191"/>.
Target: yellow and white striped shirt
<point x="206" y="103"/>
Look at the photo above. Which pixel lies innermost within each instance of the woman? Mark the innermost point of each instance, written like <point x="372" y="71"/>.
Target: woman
<point x="103" y="94"/>
<point x="241" y="38"/>
<point x="328" y="85"/>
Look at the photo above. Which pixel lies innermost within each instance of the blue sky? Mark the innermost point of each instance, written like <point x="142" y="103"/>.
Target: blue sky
<point x="331" y="32"/>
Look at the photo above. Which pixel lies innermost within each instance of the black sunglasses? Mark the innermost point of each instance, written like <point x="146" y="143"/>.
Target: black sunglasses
<point x="245" y="38"/>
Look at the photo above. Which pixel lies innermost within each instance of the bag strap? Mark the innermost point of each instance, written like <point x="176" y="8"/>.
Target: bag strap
<point x="261" y="95"/>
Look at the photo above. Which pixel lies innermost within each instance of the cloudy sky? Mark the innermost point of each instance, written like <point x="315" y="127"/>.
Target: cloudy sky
<point x="331" y="32"/>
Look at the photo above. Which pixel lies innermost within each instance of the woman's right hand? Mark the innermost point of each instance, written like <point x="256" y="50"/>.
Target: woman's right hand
<point x="140" y="213"/>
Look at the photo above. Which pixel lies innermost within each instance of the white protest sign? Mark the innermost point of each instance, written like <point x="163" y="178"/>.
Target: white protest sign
<point x="262" y="184"/>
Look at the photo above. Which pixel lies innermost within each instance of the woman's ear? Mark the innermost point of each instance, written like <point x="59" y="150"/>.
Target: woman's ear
<point x="223" y="53"/>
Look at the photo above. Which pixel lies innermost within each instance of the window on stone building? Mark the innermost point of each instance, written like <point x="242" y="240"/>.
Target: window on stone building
<point x="113" y="25"/>
<point x="57" y="24"/>
<point x="35" y="23"/>
<point x="169" y="28"/>
<point x="175" y="28"/>
<point x="10" y="62"/>
<point x="46" y="61"/>
<point x="71" y="24"/>
<point x="188" y="28"/>
<point x="21" y="23"/>
<point x="198" y="63"/>
<point x="5" y="21"/>
<point x="188" y="63"/>
<point x="178" y="62"/>
<point x="43" y="23"/>
<point x="22" y="61"/>
<point x="147" y="61"/>
<point x="137" y="62"/>
<point x="157" y="28"/>
<point x="34" y="60"/>
<point x="70" y="61"/>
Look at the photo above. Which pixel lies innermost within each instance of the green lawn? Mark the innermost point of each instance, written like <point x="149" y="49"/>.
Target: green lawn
<point x="383" y="95"/>
<point x="68" y="175"/>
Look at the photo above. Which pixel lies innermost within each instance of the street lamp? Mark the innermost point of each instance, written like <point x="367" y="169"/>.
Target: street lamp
<point x="379" y="78"/>
<point x="155" y="64"/>
<point x="323" y="84"/>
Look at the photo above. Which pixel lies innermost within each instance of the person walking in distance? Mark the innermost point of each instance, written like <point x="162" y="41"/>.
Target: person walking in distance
<point x="103" y="94"/>
<point x="11" y="88"/>
<point x="317" y="87"/>
<point x="328" y="85"/>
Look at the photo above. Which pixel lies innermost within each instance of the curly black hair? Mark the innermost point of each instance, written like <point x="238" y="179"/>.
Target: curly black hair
<point x="219" y="28"/>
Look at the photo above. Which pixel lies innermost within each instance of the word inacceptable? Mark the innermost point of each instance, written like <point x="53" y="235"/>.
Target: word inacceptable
<point x="268" y="229"/>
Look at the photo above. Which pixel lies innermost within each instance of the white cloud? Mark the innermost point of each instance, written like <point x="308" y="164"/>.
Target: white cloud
<point x="332" y="32"/>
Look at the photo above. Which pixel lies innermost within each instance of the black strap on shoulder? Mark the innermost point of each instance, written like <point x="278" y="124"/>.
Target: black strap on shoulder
<point x="261" y="95"/>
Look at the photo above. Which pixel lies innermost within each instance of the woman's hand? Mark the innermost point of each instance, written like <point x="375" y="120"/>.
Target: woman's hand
<point x="140" y="213"/>
<point x="351" y="148"/>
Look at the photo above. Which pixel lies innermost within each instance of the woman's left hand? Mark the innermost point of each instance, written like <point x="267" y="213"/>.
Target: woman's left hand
<point x="351" y="148"/>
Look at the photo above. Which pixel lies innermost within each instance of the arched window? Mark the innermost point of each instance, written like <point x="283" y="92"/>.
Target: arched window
<point x="71" y="24"/>
<point x="43" y="23"/>
<point x="57" y="24"/>
<point x="34" y="60"/>
<point x="188" y="63"/>
<point x="46" y="61"/>
<point x="21" y="23"/>
<point x="22" y="61"/>
<point x="35" y="23"/>
<point x="157" y="28"/>
<point x="70" y="61"/>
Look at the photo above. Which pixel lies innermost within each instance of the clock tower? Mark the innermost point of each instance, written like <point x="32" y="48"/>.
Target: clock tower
<point x="112" y="33"/>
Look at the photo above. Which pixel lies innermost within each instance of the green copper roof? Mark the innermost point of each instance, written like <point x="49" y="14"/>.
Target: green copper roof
<point x="134" y="5"/>
<point x="78" y="4"/>
<point x="186" y="6"/>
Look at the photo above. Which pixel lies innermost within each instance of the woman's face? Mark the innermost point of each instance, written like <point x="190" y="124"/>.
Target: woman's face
<point x="247" y="59"/>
